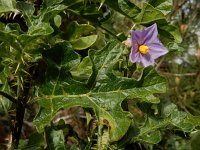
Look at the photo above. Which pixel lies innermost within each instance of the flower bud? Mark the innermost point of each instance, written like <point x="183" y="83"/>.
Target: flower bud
<point x="177" y="81"/>
<point x="192" y="93"/>
<point x="198" y="54"/>
<point x="127" y="42"/>
<point x="183" y="28"/>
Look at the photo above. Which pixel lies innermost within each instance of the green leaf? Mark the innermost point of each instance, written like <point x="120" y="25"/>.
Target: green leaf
<point x="105" y="105"/>
<point x="170" y="31"/>
<point x="9" y="37"/>
<point x="61" y="58"/>
<point x="40" y="29"/>
<point x="73" y="2"/>
<point x="27" y="9"/>
<point x="61" y="91"/>
<point x="84" y="42"/>
<point x="186" y="122"/>
<point x="57" y="20"/>
<point x="50" y="12"/>
<point x="149" y="132"/>
<point x="55" y="139"/>
<point x="5" y="104"/>
<point x="7" y="6"/>
<point x="83" y="70"/>
<point x="152" y="137"/>
<point x="168" y="109"/>
<point x="149" y="14"/>
<point x="169" y="116"/>
<point x="172" y="46"/>
<point x="124" y="7"/>
<point x="36" y="141"/>
<point x="75" y="30"/>
<point x="165" y="6"/>
<point x="48" y="3"/>
<point x="39" y="25"/>
<point x="195" y="140"/>
<point x="104" y="59"/>
<point x="36" y="27"/>
<point x="129" y="8"/>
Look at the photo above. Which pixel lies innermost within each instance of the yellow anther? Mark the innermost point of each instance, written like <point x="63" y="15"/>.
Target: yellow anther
<point x="143" y="49"/>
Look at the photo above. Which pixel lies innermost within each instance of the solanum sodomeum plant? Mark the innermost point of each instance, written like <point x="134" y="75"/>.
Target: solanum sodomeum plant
<point x="72" y="56"/>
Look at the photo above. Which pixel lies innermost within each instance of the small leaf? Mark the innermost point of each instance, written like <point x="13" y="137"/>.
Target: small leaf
<point x="55" y="139"/>
<point x="57" y="20"/>
<point x="168" y="109"/>
<point x="40" y="29"/>
<point x="172" y="46"/>
<point x="83" y="70"/>
<point x="10" y="38"/>
<point x="152" y="137"/>
<point x="84" y="42"/>
<point x="75" y="30"/>
<point x="48" y="13"/>
<point x="36" y="141"/>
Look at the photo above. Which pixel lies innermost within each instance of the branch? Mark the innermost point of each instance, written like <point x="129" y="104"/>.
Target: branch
<point x="12" y="99"/>
<point x="110" y="33"/>
<point x="178" y="75"/>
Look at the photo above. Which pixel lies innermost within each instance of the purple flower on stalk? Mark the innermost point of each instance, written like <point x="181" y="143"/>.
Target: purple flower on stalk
<point x="146" y="47"/>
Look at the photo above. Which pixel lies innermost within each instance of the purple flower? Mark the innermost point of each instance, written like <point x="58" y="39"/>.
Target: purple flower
<point x="146" y="47"/>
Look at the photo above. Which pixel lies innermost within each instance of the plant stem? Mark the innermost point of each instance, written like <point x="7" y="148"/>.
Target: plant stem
<point x="9" y="97"/>
<point x="18" y="126"/>
<point x="110" y="33"/>
<point x="20" y="109"/>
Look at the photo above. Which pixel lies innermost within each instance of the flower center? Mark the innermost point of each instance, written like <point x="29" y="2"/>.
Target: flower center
<point x="143" y="49"/>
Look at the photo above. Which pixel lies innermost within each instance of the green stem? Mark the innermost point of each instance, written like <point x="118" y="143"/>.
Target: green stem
<point x="97" y="23"/>
<point x="110" y="33"/>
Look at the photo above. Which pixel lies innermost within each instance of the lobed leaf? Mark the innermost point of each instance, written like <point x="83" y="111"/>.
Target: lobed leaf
<point x="149" y="132"/>
<point x="62" y="91"/>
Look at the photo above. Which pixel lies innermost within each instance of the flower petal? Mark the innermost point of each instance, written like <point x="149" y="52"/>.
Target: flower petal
<point x="134" y="56"/>
<point x="150" y="33"/>
<point x="147" y="37"/>
<point x="157" y="49"/>
<point x="146" y="60"/>
<point x="137" y="36"/>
